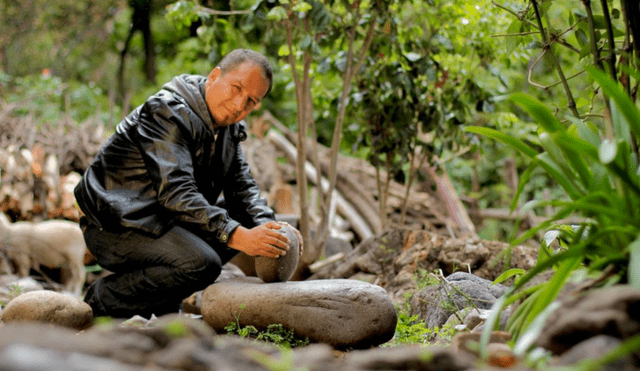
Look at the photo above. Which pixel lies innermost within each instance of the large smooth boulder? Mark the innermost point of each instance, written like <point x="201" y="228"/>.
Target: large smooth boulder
<point x="280" y="269"/>
<point x="341" y="313"/>
<point x="49" y="307"/>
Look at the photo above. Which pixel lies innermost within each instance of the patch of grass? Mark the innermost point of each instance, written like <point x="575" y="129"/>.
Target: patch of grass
<point x="275" y="333"/>
<point x="14" y="291"/>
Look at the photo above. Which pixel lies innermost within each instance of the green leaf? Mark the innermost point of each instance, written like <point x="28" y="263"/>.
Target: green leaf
<point x="413" y="57"/>
<point x="540" y="113"/>
<point x="504" y="138"/>
<point x="556" y="173"/>
<point x="508" y="274"/>
<point x="581" y="37"/>
<point x="277" y="14"/>
<point x="586" y="131"/>
<point x="607" y="151"/>
<point x="302" y="6"/>
<point x="634" y="263"/>
<point x="620" y="124"/>
<point x="512" y="41"/>
<point x="547" y="142"/>
<point x="624" y="103"/>
<point x="550" y="236"/>
<point x="491" y="323"/>
<point x="524" y="180"/>
<point x="283" y="50"/>
<point x="529" y="336"/>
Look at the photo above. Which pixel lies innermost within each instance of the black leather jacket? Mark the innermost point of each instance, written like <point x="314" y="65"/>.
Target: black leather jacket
<point x="165" y="164"/>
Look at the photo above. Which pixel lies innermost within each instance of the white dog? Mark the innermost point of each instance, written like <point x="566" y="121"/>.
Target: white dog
<point x="51" y="243"/>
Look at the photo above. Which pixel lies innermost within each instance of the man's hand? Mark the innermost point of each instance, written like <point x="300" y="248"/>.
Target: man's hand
<point x="297" y="234"/>
<point x="263" y="240"/>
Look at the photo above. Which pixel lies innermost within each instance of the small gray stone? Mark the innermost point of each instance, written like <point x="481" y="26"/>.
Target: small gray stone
<point x="341" y="313"/>
<point x="496" y="290"/>
<point x="49" y="307"/>
<point x="280" y="269"/>
<point x="434" y="304"/>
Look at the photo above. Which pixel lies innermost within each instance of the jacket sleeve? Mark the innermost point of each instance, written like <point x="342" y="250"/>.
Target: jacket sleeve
<point x="242" y="194"/>
<point x="166" y="139"/>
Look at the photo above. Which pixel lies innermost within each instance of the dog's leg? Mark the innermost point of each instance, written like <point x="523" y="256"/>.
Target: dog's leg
<point x="78" y="276"/>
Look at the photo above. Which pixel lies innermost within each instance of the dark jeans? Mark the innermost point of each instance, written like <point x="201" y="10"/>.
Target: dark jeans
<point x="150" y="275"/>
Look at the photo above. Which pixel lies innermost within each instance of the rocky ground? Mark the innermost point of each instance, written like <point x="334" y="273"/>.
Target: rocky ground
<point x="418" y="272"/>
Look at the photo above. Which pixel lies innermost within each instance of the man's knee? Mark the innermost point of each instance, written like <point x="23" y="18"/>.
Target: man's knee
<point x="203" y="270"/>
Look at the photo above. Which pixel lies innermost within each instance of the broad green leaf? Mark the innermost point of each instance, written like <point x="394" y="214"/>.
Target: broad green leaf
<point x="504" y="138"/>
<point x="607" y="151"/>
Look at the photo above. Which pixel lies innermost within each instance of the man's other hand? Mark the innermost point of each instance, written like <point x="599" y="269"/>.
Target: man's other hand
<point x="263" y="240"/>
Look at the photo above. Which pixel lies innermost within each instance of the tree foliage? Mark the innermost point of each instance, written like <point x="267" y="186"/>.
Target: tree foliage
<point x="590" y="150"/>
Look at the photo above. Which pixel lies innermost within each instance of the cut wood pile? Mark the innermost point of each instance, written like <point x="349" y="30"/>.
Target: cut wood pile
<point x="40" y="164"/>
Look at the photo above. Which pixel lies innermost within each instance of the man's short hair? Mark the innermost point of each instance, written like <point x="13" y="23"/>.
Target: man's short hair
<point x="239" y="56"/>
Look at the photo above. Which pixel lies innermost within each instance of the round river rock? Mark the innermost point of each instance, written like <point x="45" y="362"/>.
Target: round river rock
<point x="342" y="313"/>
<point x="49" y="307"/>
<point x="280" y="269"/>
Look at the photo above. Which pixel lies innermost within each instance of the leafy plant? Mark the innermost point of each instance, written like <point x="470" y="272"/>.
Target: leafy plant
<point x="275" y="333"/>
<point x="410" y="330"/>
<point x="599" y="175"/>
<point x="15" y="290"/>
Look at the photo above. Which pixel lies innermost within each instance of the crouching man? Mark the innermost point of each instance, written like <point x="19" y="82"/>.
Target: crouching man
<point x="149" y="197"/>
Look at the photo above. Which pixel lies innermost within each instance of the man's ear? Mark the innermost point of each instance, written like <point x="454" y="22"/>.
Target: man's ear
<point x="214" y="74"/>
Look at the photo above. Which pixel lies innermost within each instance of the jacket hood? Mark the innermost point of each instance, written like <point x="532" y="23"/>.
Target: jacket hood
<point x="191" y="89"/>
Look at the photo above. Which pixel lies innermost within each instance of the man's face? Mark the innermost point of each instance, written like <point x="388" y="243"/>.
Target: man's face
<point x="232" y="96"/>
